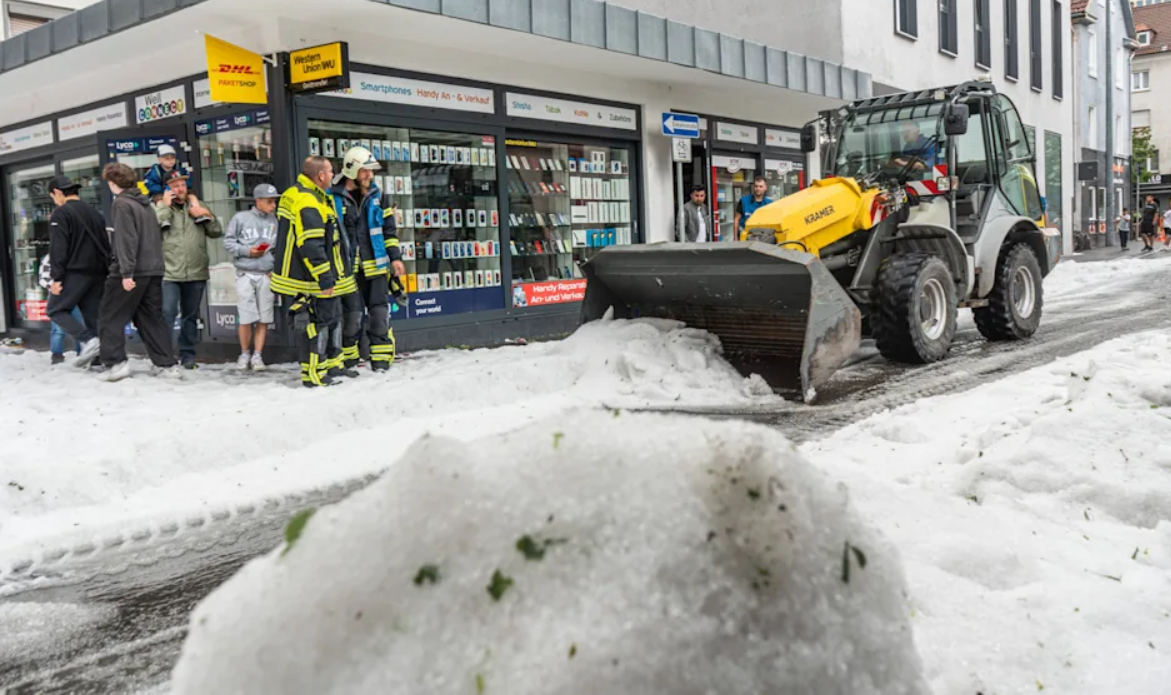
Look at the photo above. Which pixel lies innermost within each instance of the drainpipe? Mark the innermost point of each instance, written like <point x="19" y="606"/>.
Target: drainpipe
<point x="1109" y="126"/>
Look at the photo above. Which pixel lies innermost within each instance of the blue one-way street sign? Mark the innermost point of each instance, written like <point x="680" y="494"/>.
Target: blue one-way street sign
<point x="681" y="125"/>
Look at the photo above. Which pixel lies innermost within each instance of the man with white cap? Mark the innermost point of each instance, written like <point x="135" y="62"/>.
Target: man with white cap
<point x="372" y="241"/>
<point x="249" y="240"/>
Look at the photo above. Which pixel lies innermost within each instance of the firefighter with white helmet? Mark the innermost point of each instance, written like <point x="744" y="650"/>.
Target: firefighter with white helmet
<point x="368" y="221"/>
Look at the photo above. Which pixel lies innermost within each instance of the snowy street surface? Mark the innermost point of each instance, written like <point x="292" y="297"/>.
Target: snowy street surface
<point x="1032" y="513"/>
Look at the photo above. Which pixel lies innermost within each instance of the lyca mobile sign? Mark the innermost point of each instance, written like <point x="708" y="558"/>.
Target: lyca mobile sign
<point x="319" y="69"/>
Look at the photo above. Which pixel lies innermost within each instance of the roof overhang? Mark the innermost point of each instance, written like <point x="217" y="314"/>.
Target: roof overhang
<point x="584" y="40"/>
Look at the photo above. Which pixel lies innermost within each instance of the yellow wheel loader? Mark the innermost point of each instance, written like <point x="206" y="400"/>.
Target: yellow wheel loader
<point x="929" y="204"/>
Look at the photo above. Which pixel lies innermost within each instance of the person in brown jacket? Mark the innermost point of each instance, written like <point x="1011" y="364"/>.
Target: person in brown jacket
<point x="134" y="289"/>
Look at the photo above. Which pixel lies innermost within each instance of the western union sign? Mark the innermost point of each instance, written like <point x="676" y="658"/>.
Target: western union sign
<point x="320" y="68"/>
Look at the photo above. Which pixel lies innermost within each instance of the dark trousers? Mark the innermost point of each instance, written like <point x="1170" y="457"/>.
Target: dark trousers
<point x="370" y="300"/>
<point x="1123" y="236"/>
<point x="83" y="292"/>
<point x="317" y="332"/>
<point x="183" y="300"/>
<point x="144" y="306"/>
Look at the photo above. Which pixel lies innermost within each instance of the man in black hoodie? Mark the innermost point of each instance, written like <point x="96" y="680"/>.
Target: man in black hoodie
<point x="79" y="256"/>
<point x="134" y="289"/>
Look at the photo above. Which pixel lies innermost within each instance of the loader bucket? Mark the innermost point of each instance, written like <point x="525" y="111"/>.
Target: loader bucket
<point x="778" y="313"/>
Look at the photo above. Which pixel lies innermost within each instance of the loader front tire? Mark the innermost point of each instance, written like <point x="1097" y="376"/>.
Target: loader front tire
<point x="1015" y="303"/>
<point x="914" y="314"/>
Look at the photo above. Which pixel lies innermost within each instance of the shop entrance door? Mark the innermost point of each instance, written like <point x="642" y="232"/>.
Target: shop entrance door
<point x="732" y="179"/>
<point x="28" y="209"/>
<point x="138" y="148"/>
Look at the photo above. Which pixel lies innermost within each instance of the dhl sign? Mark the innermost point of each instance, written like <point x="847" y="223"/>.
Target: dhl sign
<point x="236" y="74"/>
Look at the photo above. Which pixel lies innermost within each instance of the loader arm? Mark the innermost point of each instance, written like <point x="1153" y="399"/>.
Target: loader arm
<point x="809" y="220"/>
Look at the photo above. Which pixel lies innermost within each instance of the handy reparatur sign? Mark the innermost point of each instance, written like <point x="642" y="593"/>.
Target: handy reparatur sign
<point x="320" y="68"/>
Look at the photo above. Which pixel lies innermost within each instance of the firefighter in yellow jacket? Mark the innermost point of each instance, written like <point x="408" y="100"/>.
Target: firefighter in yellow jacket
<point x="314" y="267"/>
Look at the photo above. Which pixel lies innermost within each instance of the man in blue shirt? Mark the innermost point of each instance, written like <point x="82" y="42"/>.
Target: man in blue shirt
<point x="919" y="148"/>
<point x="750" y="204"/>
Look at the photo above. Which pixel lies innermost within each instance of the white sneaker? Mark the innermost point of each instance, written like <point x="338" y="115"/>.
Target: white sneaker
<point x="89" y="353"/>
<point x="116" y="373"/>
<point x="243" y="361"/>
<point x="257" y="362"/>
<point x="173" y="372"/>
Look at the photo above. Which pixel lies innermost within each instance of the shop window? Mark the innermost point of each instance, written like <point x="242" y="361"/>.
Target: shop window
<point x="29" y="208"/>
<point x="87" y="173"/>
<point x="443" y="189"/>
<point x="566" y="202"/>
<point x="784" y="177"/>
<point x="733" y="179"/>
<point x="236" y="155"/>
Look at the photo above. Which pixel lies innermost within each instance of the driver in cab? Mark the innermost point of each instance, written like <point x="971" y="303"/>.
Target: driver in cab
<point x="918" y="149"/>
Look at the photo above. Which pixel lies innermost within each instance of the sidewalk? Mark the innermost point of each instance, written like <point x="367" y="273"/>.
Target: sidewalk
<point x="1113" y="253"/>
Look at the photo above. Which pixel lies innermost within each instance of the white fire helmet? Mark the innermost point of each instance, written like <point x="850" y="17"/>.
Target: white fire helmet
<point x="356" y="159"/>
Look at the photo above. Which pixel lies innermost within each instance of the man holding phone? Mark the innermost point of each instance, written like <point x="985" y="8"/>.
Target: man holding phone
<point x="249" y="239"/>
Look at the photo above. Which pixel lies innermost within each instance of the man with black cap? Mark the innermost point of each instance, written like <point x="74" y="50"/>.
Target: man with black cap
<point x="79" y="259"/>
<point x="250" y="239"/>
<point x="187" y="225"/>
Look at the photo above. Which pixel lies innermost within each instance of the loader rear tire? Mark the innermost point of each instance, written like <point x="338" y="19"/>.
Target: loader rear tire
<point x="914" y="316"/>
<point x="1014" y="306"/>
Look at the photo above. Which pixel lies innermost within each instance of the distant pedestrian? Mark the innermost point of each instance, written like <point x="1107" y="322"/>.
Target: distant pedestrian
<point x="1123" y="222"/>
<point x="695" y="218"/>
<point x="1167" y="228"/>
<point x="134" y="289"/>
<point x="79" y="260"/>
<point x="250" y="239"/>
<point x="1150" y="221"/>
<point x="56" y="334"/>
<point x="187" y="262"/>
<point x="750" y="203"/>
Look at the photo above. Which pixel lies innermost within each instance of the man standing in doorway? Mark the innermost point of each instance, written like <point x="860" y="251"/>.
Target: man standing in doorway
<point x="369" y="232"/>
<point x="749" y="204"/>
<point x="134" y="289"/>
<point x="249" y="240"/>
<point x="189" y="225"/>
<point x="79" y="258"/>
<point x="695" y="223"/>
<point x="1150" y="220"/>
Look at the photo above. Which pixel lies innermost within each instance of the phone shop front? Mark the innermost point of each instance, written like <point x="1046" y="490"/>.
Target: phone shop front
<point x="499" y="195"/>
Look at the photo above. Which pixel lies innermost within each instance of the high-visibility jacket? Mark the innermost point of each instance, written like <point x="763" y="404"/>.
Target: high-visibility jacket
<point x="310" y="256"/>
<point x="369" y="227"/>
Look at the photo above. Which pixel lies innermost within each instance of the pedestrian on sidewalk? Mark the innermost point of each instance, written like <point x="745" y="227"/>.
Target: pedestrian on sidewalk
<point x="134" y="289"/>
<point x="79" y="259"/>
<point x="185" y="251"/>
<point x="56" y="334"/>
<point x="250" y="239"/>
<point x="694" y="223"/>
<point x="1123" y="223"/>
<point x="1167" y="229"/>
<point x="1150" y="219"/>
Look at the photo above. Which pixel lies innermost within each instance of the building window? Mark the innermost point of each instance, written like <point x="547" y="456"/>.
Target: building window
<point x="1092" y="127"/>
<point x="1091" y="204"/>
<point x="1144" y="38"/>
<point x="1058" y="51"/>
<point x="1011" y="51"/>
<point x="1035" y="70"/>
<point x="907" y="18"/>
<point x="948" y="27"/>
<point x="1054" y="203"/>
<point x="1120" y="147"/>
<point x="983" y="35"/>
<point x="1140" y="81"/>
<point x="1092" y="57"/>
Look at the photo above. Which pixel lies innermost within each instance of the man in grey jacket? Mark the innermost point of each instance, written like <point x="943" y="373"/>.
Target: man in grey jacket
<point x="695" y="221"/>
<point x="134" y="289"/>
<point x="249" y="240"/>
